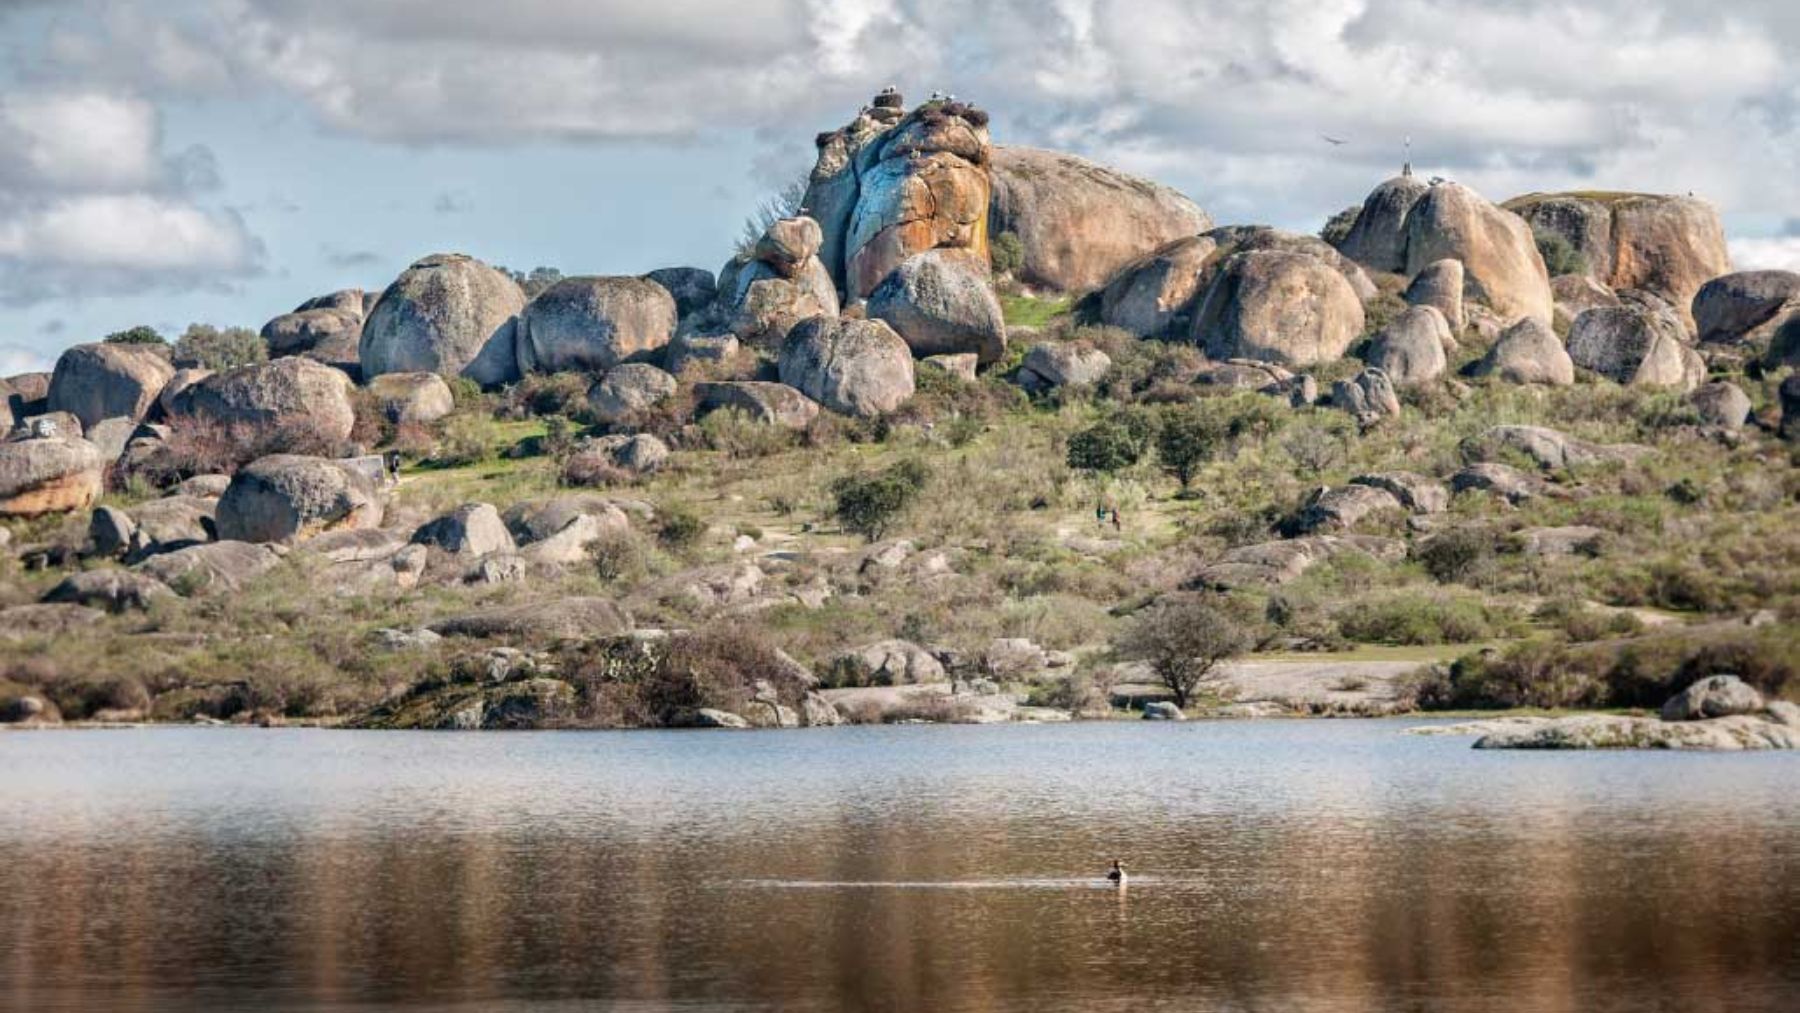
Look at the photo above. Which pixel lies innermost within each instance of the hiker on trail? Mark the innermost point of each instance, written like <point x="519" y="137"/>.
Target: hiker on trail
<point x="393" y="464"/>
<point x="1100" y="514"/>
<point x="1116" y="519"/>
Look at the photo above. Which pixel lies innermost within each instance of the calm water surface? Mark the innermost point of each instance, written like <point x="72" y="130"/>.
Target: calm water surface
<point x="1278" y="866"/>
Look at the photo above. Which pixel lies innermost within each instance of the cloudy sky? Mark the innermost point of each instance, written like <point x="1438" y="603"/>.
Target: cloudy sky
<point x="170" y="161"/>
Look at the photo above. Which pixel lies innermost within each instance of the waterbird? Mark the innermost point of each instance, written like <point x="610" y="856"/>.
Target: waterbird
<point x="1117" y="872"/>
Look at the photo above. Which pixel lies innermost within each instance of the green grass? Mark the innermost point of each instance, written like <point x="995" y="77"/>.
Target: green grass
<point x="1027" y="311"/>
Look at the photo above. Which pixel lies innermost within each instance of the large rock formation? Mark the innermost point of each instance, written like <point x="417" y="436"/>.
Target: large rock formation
<point x="692" y="288"/>
<point x="1642" y="342"/>
<point x="941" y="303"/>
<point x="774" y="403"/>
<point x="855" y="367"/>
<point x="1158" y="295"/>
<point x="1528" y="352"/>
<point x="1378" y="238"/>
<point x="764" y="293"/>
<point x="327" y="328"/>
<point x="1749" y="306"/>
<point x="1063" y="364"/>
<point x="1440" y="286"/>
<point x="48" y="475"/>
<point x="595" y="324"/>
<point x="417" y="398"/>
<point x="891" y="184"/>
<point x="449" y="314"/>
<point x="1276" y="306"/>
<point x="1668" y="245"/>
<point x="105" y="381"/>
<point x="1501" y="264"/>
<point x="288" y="498"/>
<point x="1077" y="222"/>
<point x="627" y="390"/>
<point x="296" y="397"/>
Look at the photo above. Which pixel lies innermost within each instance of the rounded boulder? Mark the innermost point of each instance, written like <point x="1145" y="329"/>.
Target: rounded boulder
<point x="854" y="367"/>
<point x="1279" y="306"/>
<point x="102" y="381"/>
<point x="1410" y="349"/>
<point x="449" y="314"/>
<point x="288" y="498"/>
<point x="48" y="475"/>
<point x="941" y="303"/>
<point x="298" y="397"/>
<point x="594" y="323"/>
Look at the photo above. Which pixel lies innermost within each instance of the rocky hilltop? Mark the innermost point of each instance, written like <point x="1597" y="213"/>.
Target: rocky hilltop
<point x="945" y="443"/>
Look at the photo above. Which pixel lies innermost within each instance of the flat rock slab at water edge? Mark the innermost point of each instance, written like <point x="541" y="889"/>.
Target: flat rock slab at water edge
<point x="1607" y="731"/>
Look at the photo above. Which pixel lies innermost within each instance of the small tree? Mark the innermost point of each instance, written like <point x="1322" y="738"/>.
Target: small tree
<point x="1337" y="228"/>
<point x="139" y="335"/>
<point x="1111" y="444"/>
<point x="1560" y="256"/>
<point x="1183" y="641"/>
<point x="1006" y="253"/>
<point x="208" y="347"/>
<point x="1188" y="437"/>
<point x="869" y="504"/>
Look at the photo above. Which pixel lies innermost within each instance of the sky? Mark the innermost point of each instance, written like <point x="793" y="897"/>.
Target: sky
<point x="176" y="161"/>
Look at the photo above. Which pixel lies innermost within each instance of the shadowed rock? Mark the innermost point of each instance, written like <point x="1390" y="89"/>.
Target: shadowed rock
<point x="1528" y="352"/>
<point x="287" y="498"/>
<point x="101" y="381"/>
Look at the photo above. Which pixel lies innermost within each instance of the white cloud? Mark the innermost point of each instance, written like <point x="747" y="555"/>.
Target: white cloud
<point x="73" y="142"/>
<point x="1777" y="254"/>
<point x="125" y="232"/>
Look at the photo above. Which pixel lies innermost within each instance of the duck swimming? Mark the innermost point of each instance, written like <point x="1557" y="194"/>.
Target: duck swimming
<point x="1117" y="872"/>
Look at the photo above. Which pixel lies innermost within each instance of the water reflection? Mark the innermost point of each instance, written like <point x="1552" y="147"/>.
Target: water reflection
<point x="1280" y="866"/>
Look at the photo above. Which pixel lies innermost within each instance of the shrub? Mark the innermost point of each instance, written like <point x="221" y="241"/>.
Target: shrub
<point x="1416" y="620"/>
<point x="466" y="439"/>
<point x="679" y="527"/>
<point x="737" y="434"/>
<point x="1458" y="555"/>
<point x="1337" y="227"/>
<point x="1183" y="641"/>
<point x="548" y="394"/>
<point x="203" y="446"/>
<point x="1108" y="445"/>
<point x="593" y="469"/>
<point x="1560" y="256"/>
<point x="1006" y="253"/>
<point x="620" y="556"/>
<point x="868" y="505"/>
<point x="1187" y="438"/>
<point x="207" y="347"/>
<point x="464" y="391"/>
<point x="139" y="335"/>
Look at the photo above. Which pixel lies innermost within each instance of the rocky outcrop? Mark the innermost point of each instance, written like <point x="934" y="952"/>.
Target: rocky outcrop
<point x="885" y="663"/>
<point x="593" y="324"/>
<point x="1440" y="286"/>
<point x="1639" y="343"/>
<point x="1568" y="540"/>
<point x="692" y="288"/>
<point x="700" y="351"/>
<point x="1749" y="306"/>
<point x="1378" y="238"/>
<point x="559" y="531"/>
<point x="412" y="398"/>
<point x="1669" y="245"/>
<point x="1079" y="223"/>
<point x="773" y="403"/>
<point x="106" y="381"/>
<point x="1410" y="349"/>
<point x="1610" y="731"/>
<point x="574" y="618"/>
<point x="1502" y="480"/>
<point x="1369" y="397"/>
<point x="327" y="328"/>
<point x="48" y="475"/>
<point x="210" y="568"/>
<point x="287" y="498"/>
<point x="449" y="314"/>
<point x="1715" y="696"/>
<point x="471" y="530"/>
<point x="761" y="300"/>
<point x="1549" y="449"/>
<point x="157" y="525"/>
<point x="1330" y="510"/>
<point x="1271" y="564"/>
<point x="1721" y="404"/>
<point x="854" y="367"/>
<point x="1416" y="493"/>
<point x="1277" y="306"/>
<point x="26" y="394"/>
<point x="1501" y="264"/>
<point x="941" y="303"/>
<point x="628" y="390"/>
<point x="1159" y="294"/>
<point x="893" y="184"/>
<point x="112" y="590"/>
<point x="297" y="396"/>
<point x="1062" y="364"/>
<point x="1575" y="294"/>
<point x="1528" y="352"/>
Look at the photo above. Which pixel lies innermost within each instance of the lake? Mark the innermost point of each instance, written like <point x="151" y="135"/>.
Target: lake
<point x="1280" y="865"/>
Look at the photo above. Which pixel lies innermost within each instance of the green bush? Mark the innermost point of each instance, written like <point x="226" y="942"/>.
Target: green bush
<point x="737" y="434"/>
<point x="1006" y="253"/>
<point x="1337" y="227"/>
<point x="139" y="335"/>
<point x="1560" y="256"/>
<point x="1457" y="556"/>
<point x="868" y="505"/>
<point x="207" y="347"/>
<point x="679" y="527"/>
<point x="549" y="394"/>
<point x="1113" y="443"/>
<point x="1417" y="620"/>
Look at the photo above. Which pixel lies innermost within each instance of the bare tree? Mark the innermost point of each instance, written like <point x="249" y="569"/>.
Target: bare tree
<point x="1183" y="640"/>
<point x="784" y="203"/>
